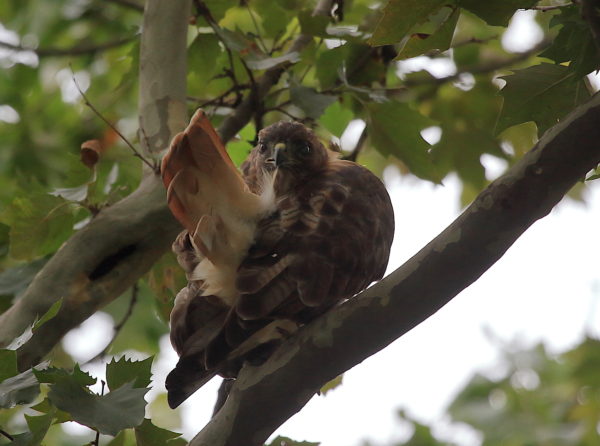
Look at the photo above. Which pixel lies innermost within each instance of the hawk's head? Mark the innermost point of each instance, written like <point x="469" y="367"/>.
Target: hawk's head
<point x="289" y="147"/>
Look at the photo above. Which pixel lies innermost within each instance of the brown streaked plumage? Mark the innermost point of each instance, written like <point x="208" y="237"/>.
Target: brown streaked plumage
<point x="266" y="251"/>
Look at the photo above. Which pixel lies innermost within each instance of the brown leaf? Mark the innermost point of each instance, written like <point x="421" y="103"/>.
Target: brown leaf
<point x="90" y="152"/>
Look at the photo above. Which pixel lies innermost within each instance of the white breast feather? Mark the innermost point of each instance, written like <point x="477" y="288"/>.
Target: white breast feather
<point x="219" y="279"/>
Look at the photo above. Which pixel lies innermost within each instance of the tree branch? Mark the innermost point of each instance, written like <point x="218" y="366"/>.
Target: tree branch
<point x="489" y="67"/>
<point x="244" y="112"/>
<point x="75" y="51"/>
<point x="452" y="261"/>
<point x="128" y="4"/>
<point x="105" y="258"/>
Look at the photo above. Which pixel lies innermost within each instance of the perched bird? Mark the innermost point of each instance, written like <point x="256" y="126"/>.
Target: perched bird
<point x="267" y="250"/>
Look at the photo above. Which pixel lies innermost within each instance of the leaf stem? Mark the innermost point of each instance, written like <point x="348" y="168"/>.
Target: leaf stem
<point x="118" y="327"/>
<point x="107" y="122"/>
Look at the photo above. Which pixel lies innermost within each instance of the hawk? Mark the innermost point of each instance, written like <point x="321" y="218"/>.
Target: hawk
<point x="267" y="250"/>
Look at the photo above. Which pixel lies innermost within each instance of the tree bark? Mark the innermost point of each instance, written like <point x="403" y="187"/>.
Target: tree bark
<point x="452" y="261"/>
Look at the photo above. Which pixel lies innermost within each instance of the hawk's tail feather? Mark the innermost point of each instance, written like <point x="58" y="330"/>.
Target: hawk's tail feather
<point x="187" y="377"/>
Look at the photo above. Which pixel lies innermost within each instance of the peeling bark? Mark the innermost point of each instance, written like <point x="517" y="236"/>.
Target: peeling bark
<point x="452" y="261"/>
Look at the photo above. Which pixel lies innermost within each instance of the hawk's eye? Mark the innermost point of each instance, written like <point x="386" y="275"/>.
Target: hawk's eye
<point x="304" y="150"/>
<point x="262" y="147"/>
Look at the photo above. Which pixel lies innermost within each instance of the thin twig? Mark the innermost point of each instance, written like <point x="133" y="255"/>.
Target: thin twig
<point x="127" y="4"/>
<point x="118" y="327"/>
<point x="352" y="156"/>
<point x="550" y="8"/>
<point x="75" y="51"/>
<point x="283" y="111"/>
<point x="7" y="435"/>
<point x="107" y="122"/>
<point x="258" y="33"/>
<point x="480" y="69"/>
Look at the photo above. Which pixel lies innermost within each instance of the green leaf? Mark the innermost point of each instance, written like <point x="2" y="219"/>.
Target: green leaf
<point x="166" y="277"/>
<point x="285" y="441"/>
<point x="496" y="12"/>
<point x="542" y="93"/>
<point x="313" y="104"/>
<point x="275" y="16"/>
<point x="238" y="151"/>
<point x="218" y="8"/>
<point x="202" y="58"/>
<point x="52" y="311"/>
<point x="400" y="16"/>
<point x="55" y="375"/>
<point x="313" y="25"/>
<point x="335" y="118"/>
<point x="38" y="427"/>
<point x="258" y="62"/>
<point x="8" y="364"/>
<point x="328" y="65"/>
<point x="394" y="129"/>
<point x="20" y="389"/>
<point x="39" y="224"/>
<point x="125" y="370"/>
<point x="329" y="386"/>
<point x="120" y="409"/>
<point x="147" y="434"/>
<point x="574" y="42"/>
<point x="438" y="38"/>
<point x="14" y="280"/>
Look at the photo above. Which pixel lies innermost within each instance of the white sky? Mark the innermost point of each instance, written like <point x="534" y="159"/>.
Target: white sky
<point x="544" y="289"/>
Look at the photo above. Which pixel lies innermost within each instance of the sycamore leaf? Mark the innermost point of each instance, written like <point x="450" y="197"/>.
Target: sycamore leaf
<point x="202" y="57"/>
<point x="313" y="25"/>
<point x="285" y="441"/>
<point x="39" y="224"/>
<point x="400" y="16"/>
<point x="574" y="42"/>
<point x="313" y="104"/>
<point x="166" y="277"/>
<point x="439" y="37"/>
<point x="258" y="62"/>
<point x="8" y="364"/>
<point x="21" y="339"/>
<point x="542" y="93"/>
<point x="496" y="12"/>
<point x="125" y="370"/>
<point x="117" y="410"/>
<point x="238" y="151"/>
<point x="52" y="311"/>
<point x="16" y="279"/>
<point x="19" y="389"/>
<point x="38" y="427"/>
<point x="55" y="375"/>
<point x="329" y="386"/>
<point x="147" y="434"/>
<point x="335" y="118"/>
<point x="46" y="407"/>
<point x="394" y="129"/>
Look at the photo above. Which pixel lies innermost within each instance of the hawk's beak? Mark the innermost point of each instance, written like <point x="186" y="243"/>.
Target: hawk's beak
<point x="279" y="153"/>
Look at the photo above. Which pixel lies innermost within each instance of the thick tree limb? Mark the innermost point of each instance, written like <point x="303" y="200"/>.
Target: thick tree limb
<point x="101" y="261"/>
<point x="447" y="265"/>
